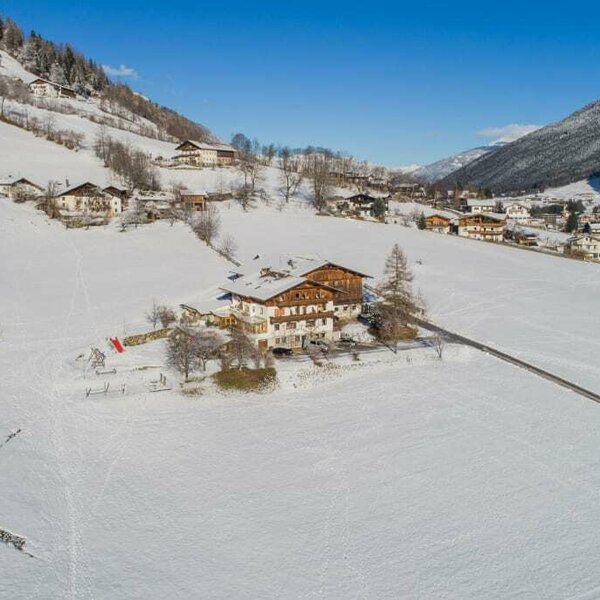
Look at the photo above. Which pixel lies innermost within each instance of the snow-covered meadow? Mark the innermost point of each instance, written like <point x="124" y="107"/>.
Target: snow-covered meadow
<point x="461" y="478"/>
<point x="388" y="477"/>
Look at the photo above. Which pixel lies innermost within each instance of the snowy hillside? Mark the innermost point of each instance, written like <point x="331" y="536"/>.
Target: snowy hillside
<point x="587" y="189"/>
<point x="441" y="168"/>
<point x="400" y="479"/>
<point x="555" y="155"/>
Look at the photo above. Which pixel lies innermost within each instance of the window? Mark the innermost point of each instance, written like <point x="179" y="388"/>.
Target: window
<point x="291" y="325"/>
<point x="276" y="327"/>
<point x="324" y="321"/>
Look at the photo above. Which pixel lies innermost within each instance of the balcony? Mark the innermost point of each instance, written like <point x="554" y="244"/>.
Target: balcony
<point x="306" y="317"/>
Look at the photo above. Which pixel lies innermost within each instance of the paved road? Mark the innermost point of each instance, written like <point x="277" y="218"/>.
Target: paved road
<point x="455" y="337"/>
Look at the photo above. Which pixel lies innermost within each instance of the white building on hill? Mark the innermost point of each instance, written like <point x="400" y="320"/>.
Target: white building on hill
<point x="13" y="187"/>
<point x="89" y="199"/>
<point x="517" y="212"/>
<point x="586" y="246"/>
<point x="48" y="89"/>
<point x="202" y="154"/>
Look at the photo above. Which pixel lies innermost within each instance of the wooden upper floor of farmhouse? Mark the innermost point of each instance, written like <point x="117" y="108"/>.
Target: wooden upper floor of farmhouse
<point x="300" y="281"/>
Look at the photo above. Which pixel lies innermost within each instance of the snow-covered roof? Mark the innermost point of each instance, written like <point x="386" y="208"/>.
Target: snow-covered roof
<point x="481" y="202"/>
<point x="12" y="181"/>
<point x="207" y="146"/>
<point x="293" y="264"/>
<point x="52" y="83"/>
<point x="193" y="193"/>
<point x="263" y="285"/>
<point x="493" y="216"/>
<point x="79" y="185"/>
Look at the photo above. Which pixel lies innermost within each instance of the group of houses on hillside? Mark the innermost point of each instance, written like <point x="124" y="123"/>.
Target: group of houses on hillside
<point x="305" y="301"/>
<point x="477" y="226"/>
<point x="87" y="199"/>
<point x="82" y="199"/>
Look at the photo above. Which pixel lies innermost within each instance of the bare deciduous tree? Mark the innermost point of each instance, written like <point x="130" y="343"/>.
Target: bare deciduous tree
<point x="47" y="202"/>
<point x="439" y="344"/>
<point x="153" y="315"/>
<point x="228" y="247"/>
<point x="251" y="170"/>
<point x="208" y="343"/>
<point x="318" y="169"/>
<point x="240" y="348"/>
<point x="291" y="177"/>
<point x="189" y="350"/>
<point x="206" y="224"/>
<point x="3" y="93"/>
<point x="166" y="316"/>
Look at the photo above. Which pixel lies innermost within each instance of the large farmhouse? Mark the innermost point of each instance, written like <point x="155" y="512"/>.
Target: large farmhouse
<point x="48" y="89"/>
<point x="201" y="154"/>
<point x="88" y="198"/>
<point x="295" y="305"/>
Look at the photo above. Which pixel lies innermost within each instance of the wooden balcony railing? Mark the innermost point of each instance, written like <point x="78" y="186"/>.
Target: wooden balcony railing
<point x="307" y="317"/>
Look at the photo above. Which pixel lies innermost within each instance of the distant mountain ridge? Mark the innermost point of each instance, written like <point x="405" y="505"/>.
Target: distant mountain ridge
<point x="442" y="168"/>
<point x="555" y="155"/>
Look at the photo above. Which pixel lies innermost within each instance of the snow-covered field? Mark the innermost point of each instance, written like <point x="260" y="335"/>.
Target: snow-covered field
<point x="391" y="477"/>
<point x="538" y="307"/>
<point x="464" y="478"/>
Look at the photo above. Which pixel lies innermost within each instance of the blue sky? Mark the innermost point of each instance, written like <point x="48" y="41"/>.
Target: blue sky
<point x="392" y="82"/>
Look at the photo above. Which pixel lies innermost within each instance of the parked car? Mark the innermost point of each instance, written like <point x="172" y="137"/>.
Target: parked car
<point x="279" y="351"/>
<point x="318" y="344"/>
<point x="347" y="341"/>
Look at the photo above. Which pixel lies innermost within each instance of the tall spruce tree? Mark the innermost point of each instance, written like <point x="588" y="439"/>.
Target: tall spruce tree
<point x="398" y="307"/>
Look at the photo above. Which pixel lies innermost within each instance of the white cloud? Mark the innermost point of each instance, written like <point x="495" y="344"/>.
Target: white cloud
<point x="508" y="133"/>
<point x="122" y="71"/>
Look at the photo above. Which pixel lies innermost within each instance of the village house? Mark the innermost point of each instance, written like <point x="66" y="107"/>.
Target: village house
<point x="526" y="239"/>
<point x="202" y="154"/>
<point x="13" y="188"/>
<point x="48" y="89"/>
<point x="588" y="217"/>
<point x="517" y="212"/>
<point x="593" y="228"/>
<point x="481" y="227"/>
<point x="116" y="192"/>
<point x="361" y="205"/>
<point x="88" y="199"/>
<point x="154" y="207"/>
<point x="480" y="206"/>
<point x="438" y="223"/>
<point x="587" y="246"/>
<point x="193" y="200"/>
